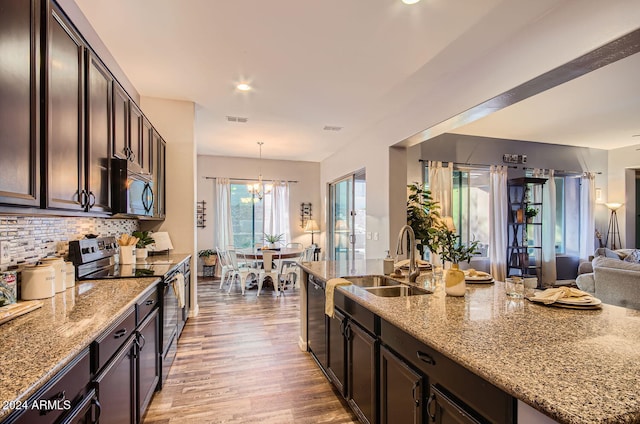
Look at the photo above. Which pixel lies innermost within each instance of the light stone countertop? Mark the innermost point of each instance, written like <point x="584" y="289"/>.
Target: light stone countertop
<point x="576" y="366"/>
<point x="35" y="346"/>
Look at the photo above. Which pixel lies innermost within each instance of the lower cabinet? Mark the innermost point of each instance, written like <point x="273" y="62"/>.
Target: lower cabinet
<point x="444" y="409"/>
<point x="401" y="390"/>
<point x="88" y="412"/>
<point x="337" y="351"/>
<point x="116" y="387"/>
<point x="148" y="361"/>
<point x="361" y="372"/>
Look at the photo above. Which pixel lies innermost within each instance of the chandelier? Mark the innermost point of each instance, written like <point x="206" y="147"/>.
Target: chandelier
<point x="259" y="189"/>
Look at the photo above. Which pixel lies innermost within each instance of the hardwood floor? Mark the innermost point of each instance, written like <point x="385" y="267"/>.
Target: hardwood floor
<point x="238" y="361"/>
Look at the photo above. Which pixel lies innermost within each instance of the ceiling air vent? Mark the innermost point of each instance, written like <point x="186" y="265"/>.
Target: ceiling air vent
<point x="237" y="119"/>
<point x="331" y="128"/>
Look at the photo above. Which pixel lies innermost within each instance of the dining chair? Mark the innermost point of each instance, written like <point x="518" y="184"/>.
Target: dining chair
<point x="291" y="271"/>
<point x="241" y="270"/>
<point x="226" y="267"/>
<point x="271" y="269"/>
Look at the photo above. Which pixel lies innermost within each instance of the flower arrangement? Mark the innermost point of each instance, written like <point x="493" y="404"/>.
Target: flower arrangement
<point x="450" y="249"/>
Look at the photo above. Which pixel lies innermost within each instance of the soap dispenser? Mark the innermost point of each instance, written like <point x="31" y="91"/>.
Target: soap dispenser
<point x="388" y="265"/>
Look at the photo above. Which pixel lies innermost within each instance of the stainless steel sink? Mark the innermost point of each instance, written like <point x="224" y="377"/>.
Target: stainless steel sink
<point x="372" y="281"/>
<point x="396" y="291"/>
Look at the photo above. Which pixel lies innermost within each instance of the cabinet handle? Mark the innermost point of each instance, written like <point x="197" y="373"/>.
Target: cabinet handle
<point x="415" y="387"/>
<point x="92" y="199"/>
<point x="83" y="198"/>
<point x="98" y="409"/>
<point x="132" y="156"/>
<point x="424" y="357"/>
<point x="347" y="331"/>
<point x="144" y="342"/>
<point x="57" y="397"/>
<point x="152" y="198"/>
<point x="342" y="329"/>
<point x="120" y="333"/>
<point x="431" y="401"/>
<point x="150" y="302"/>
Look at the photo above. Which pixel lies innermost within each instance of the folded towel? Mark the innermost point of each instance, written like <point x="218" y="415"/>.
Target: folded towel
<point x="178" y="288"/>
<point x="475" y="273"/>
<point x="552" y="295"/>
<point x="329" y="288"/>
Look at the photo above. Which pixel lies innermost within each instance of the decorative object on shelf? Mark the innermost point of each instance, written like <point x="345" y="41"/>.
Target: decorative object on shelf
<point x="272" y="239"/>
<point x="311" y="227"/>
<point x="200" y="215"/>
<point x="422" y="216"/>
<point x="613" y="231"/>
<point x="259" y="189"/>
<point x="524" y="249"/>
<point x="144" y="239"/>
<point x="209" y="257"/>
<point x="450" y="249"/>
<point x="305" y="214"/>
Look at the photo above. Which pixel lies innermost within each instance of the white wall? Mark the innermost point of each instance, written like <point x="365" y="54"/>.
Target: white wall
<point x="174" y="120"/>
<point x="449" y="86"/>
<point x="306" y="190"/>
<point x="622" y="189"/>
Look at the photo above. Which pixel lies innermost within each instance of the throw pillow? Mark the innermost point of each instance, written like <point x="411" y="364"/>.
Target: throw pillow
<point x="633" y="257"/>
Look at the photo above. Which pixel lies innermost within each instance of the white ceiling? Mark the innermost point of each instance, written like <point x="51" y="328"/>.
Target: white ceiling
<point x="311" y="63"/>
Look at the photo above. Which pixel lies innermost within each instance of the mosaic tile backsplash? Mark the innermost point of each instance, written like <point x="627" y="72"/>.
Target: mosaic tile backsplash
<point x="32" y="237"/>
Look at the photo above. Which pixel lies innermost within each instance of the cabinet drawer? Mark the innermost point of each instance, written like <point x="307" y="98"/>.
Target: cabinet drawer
<point x="357" y="312"/>
<point x="146" y="305"/>
<point x="473" y="391"/>
<point x="64" y="392"/>
<point x="110" y="341"/>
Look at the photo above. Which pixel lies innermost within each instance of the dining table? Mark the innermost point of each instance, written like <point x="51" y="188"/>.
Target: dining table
<point x="283" y="253"/>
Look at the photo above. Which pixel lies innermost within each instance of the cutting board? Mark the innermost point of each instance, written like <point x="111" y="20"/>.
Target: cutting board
<point x="9" y="312"/>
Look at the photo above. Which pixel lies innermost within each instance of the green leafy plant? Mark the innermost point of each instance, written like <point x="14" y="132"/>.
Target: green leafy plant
<point x="448" y="246"/>
<point x="205" y="253"/>
<point x="530" y="212"/>
<point x="144" y="239"/>
<point x="273" y="238"/>
<point x="422" y="216"/>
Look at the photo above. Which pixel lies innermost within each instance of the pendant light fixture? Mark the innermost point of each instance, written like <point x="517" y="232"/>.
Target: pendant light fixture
<point x="259" y="189"/>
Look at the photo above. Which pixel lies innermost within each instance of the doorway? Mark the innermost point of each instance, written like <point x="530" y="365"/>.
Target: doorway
<point x="347" y="217"/>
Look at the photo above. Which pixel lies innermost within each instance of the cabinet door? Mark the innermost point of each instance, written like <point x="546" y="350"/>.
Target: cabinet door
<point x="444" y="409"/>
<point x="401" y="391"/>
<point x="120" y="122"/>
<point x="116" y="387"/>
<point x="337" y="351"/>
<point x="19" y="103"/>
<point x="99" y="82"/>
<point x="362" y="366"/>
<point x="64" y="115"/>
<point x="148" y="360"/>
<point x="86" y="412"/>
<point x="139" y="153"/>
<point x="159" y="173"/>
<point x="316" y="324"/>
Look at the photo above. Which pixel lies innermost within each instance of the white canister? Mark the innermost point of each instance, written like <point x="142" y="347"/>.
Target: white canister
<point x="61" y="273"/>
<point x="70" y="274"/>
<point x="127" y="255"/>
<point x="38" y="282"/>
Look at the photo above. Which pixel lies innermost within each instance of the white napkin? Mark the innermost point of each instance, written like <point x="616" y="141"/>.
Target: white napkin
<point x="550" y="296"/>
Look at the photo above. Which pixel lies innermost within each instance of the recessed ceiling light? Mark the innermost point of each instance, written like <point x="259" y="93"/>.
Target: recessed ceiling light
<point x="243" y="87"/>
<point x="410" y="1"/>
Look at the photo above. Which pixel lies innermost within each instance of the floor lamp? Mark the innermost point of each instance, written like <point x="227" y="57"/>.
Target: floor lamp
<point x="613" y="231"/>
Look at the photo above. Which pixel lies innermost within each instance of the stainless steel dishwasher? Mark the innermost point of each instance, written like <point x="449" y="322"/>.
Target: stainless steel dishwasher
<point x="316" y="321"/>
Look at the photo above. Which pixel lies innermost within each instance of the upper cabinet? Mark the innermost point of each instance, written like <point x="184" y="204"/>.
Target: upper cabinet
<point x="64" y="115"/>
<point x="121" y="148"/>
<point x="19" y="103"/>
<point x="159" y="175"/>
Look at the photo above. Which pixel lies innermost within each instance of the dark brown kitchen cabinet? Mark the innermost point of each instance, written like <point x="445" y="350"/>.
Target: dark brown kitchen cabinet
<point x="86" y="412"/>
<point x="140" y="145"/>
<point x="64" y="114"/>
<point x="19" y="102"/>
<point x="148" y="343"/>
<point x="337" y="351"/>
<point x="401" y="391"/>
<point x="98" y="141"/>
<point x="159" y="174"/>
<point x="121" y="149"/>
<point x="116" y="387"/>
<point x="445" y="409"/>
<point x="361" y="372"/>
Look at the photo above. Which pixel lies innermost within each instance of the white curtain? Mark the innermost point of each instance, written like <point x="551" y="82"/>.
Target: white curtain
<point x="549" y="274"/>
<point x="498" y="221"/>
<point x="441" y="186"/>
<point x="587" y="214"/>
<point x="223" y="228"/>
<point x="276" y="211"/>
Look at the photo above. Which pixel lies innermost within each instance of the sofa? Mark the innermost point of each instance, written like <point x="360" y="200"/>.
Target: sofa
<point x="612" y="280"/>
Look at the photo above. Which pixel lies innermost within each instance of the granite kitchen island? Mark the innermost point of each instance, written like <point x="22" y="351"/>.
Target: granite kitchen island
<point x="574" y="366"/>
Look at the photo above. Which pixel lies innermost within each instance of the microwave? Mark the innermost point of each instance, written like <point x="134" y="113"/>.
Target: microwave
<point x="132" y="192"/>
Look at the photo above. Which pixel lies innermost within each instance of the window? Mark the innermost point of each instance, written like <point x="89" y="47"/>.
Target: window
<point x="567" y="215"/>
<point x="470" y="205"/>
<point x="246" y="217"/>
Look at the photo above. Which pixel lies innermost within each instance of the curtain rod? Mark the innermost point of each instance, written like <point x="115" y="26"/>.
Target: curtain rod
<point x="249" y="179"/>
<point x="562" y="171"/>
